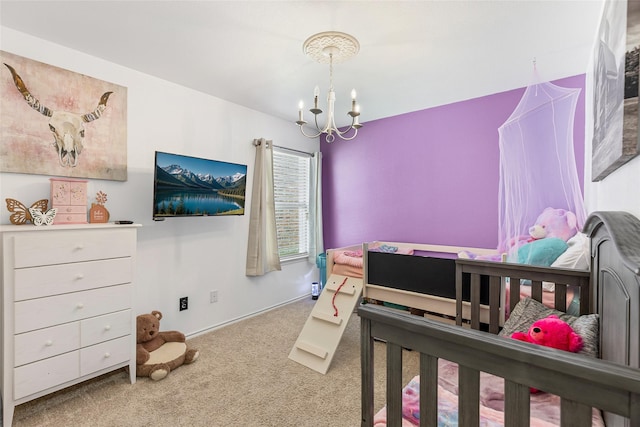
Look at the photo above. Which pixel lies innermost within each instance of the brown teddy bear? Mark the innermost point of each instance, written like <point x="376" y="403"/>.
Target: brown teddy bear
<point x="158" y="353"/>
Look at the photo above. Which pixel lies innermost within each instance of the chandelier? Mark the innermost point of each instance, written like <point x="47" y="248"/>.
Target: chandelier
<point x="330" y="47"/>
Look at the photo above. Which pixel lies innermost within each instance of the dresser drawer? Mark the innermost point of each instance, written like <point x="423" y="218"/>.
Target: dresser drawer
<point x="70" y="218"/>
<point x="104" y="328"/>
<point x="38" y="376"/>
<point x="54" y="247"/>
<point x="71" y="210"/>
<point x="44" y="343"/>
<point x="44" y="312"/>
<point x="106" y="354"/>
<point x="36" y="282"/>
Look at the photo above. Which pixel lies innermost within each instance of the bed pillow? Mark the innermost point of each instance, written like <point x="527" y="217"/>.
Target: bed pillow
<point x="528" y="310"/>
<point x="385" y="248"/>
<point x="390" y="249"/>
<point x="576" y="256"/>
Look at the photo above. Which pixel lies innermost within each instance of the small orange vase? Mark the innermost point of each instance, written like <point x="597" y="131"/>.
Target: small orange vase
<point x="98" y="213"/>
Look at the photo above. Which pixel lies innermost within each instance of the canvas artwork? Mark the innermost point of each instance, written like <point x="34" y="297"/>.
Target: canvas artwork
<point x="615" y="136"/>
<point x="58" y="122"/>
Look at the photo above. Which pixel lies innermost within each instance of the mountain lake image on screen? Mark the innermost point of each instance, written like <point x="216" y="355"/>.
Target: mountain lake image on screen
<point x="185" y="186"/>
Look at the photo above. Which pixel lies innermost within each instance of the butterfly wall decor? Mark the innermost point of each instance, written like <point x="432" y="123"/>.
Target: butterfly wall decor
<point x="43" y="218"/>
<point x="20" y="213"/>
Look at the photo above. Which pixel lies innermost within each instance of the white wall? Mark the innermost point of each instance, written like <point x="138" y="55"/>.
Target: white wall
<point x="180" y="256"/>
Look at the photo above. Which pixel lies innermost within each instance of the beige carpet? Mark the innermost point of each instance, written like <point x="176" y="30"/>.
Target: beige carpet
<point x="242" y="378"/>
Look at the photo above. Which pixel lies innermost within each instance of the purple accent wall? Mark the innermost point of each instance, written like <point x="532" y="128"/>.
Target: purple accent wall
<point x="429" y="176"/>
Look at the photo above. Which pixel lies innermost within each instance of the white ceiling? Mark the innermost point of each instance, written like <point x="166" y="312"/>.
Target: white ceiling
<point x="413" y="54"/>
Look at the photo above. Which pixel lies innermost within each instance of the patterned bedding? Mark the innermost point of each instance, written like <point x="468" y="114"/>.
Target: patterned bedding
<point x="545" y="407"/>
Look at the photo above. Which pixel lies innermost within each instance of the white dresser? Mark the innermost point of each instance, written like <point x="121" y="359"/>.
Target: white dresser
<point x="67" y="296"/>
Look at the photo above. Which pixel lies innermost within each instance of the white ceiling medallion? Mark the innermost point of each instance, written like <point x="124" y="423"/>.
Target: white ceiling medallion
<point x="341" y="45"/>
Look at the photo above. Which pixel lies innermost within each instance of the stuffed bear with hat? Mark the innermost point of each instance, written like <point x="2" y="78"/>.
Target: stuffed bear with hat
<point x="159" y="352"/>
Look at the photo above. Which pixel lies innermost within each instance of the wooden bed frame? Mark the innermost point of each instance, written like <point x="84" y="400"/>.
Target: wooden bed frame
<point x="434" y="294"/>
<point x="389" y="288"/>
<point x="611" y="383"/>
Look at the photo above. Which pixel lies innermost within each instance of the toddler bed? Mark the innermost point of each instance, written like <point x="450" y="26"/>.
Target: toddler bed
<point x="491" y="374"/>
<point x="392" y="276"/>
<point x="419" y="276"/>
<point x="349" y="260"/>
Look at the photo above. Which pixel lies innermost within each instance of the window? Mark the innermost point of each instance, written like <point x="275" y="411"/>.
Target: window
<point x="291" y="183"/>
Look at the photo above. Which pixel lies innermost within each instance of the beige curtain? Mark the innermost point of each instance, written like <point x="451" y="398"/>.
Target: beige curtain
<point x="316" y="240"/>
<point x="262" y="251"/>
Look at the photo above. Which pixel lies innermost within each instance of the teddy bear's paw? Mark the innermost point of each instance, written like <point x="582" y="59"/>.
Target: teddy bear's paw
<point x="159" y="374"/>
<point x="191" y="356"/>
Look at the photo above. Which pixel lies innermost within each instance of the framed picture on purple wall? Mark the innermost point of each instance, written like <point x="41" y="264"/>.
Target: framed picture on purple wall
<point x="615" y="134"/>
<point x="62" y="123"/>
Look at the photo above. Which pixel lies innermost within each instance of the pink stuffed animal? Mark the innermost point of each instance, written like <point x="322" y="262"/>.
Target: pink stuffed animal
<point x="551" y="332"/>
<point x="552" y="222"/>
<point x="559" y="223"/>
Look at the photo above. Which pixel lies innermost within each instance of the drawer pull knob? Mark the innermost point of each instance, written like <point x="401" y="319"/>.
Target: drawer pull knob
<point x="107" y="328"/>
<point x="79" y="245"/>
<point x="80" y="305"/>
<point x="48" y="343"/>
<point x="79" y="276"/>
<point x="107" y="355"/>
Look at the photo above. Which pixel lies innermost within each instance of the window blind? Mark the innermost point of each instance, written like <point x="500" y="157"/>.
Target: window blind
<point x="291" y="183"/>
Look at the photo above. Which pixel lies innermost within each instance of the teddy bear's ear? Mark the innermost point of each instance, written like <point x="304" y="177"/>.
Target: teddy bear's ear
<point x="157" y="314"/>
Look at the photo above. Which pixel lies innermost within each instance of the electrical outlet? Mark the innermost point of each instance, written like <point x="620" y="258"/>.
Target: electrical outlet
<point x="184" y="303"/>
<point x="213" y="296"/>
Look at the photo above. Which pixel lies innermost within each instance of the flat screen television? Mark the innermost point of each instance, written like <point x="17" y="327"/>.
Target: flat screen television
<point x="185" y="186"/>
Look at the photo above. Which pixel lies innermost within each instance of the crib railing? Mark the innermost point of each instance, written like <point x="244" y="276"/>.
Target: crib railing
<point x="581" y="382"/>
<point x="499" y="273"/>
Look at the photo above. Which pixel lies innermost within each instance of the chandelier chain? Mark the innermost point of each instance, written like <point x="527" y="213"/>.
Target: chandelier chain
<point x="331" y="71"/>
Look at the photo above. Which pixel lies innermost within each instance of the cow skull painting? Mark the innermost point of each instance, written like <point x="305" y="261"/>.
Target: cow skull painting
<point x="67" y="127"/>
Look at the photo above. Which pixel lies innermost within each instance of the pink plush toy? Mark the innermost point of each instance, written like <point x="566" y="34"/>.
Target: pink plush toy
<point x="559" y="223"/>
<point x="552" y="222"/>
<point x="551" y="332"/>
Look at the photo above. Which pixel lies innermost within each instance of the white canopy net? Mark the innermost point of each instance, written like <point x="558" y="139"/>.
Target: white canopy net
<point x="537" y="161"/>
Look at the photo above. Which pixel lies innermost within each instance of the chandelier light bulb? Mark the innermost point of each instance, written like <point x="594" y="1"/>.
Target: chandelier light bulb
<point x="300" y="120"/>
<point x="316" y="93"/>
<point x="353" y="101"/>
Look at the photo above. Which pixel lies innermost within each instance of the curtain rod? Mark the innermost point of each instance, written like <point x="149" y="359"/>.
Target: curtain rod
<point x="293" y="149"/>
<point x="257" y="142"/>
